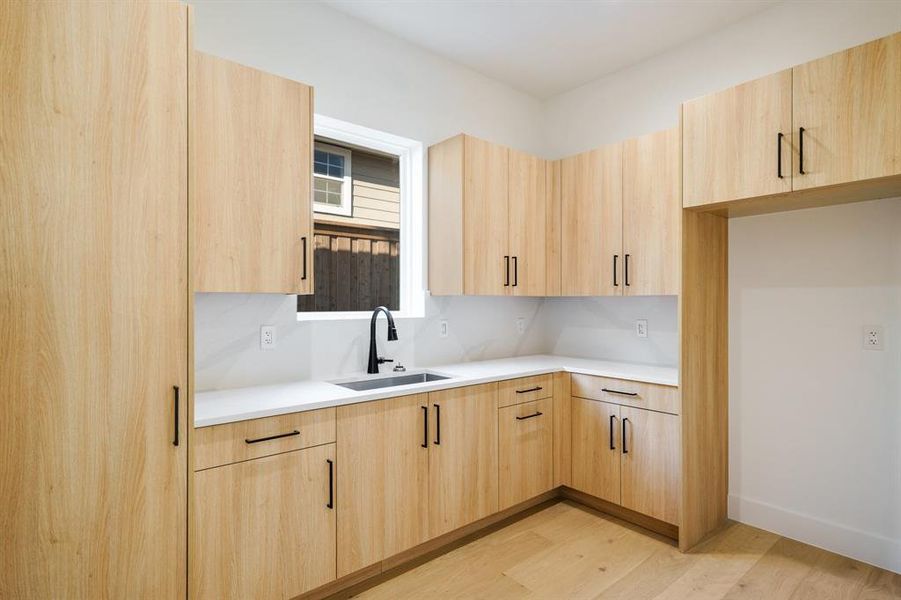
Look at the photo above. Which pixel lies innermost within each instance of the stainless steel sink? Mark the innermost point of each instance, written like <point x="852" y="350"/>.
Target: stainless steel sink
<point x="396" y="380"/>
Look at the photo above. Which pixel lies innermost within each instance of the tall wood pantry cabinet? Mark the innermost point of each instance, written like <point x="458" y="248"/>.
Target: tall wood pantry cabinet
<point x="93" y="331"/>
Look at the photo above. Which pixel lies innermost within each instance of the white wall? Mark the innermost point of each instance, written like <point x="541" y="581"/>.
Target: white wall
<point x="372" y="79"/>
<point x="814" y="420"/>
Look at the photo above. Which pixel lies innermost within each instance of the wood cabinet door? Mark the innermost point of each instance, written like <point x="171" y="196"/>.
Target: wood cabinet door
<point x="485" y="246"/>
<point x="406" y="472"/>
<point x="527" y="211"/>
<point x="525" y="451"/>
<point x="651" y="463"/>
<point x="849" y="105"/>
<point x="264" y="528"/>
<point x="652" y="214"/>
<point x="596" y="437"/>
<point x="462" y="456"/>
<point x="361" y="486"/>
<point x="731" y="145"/>
<point x="251" y="172"/>
<point x="592" y="223"/>
<point x="93" y="280"/>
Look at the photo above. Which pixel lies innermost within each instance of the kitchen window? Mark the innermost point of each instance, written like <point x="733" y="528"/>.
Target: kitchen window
<point x="332" y="184"/>
<point x="367" y="223"/>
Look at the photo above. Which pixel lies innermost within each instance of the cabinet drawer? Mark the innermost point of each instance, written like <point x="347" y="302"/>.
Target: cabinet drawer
<point x="628" y="393"/>
<point x="524" y="389"/>
<point x="234" y="442"/>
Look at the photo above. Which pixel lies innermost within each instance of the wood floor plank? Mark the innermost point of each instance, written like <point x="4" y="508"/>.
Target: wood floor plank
<point x="778" y="573"/>
<point x="833" y="577"/>
<point x="652" y="576"/>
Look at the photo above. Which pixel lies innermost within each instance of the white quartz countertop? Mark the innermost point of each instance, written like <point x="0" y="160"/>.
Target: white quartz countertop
<point x="227" y="406"/>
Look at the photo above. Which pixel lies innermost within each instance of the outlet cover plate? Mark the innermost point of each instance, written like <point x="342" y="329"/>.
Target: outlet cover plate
<point x="873" y="337"/>
<point x="641" y="328"/>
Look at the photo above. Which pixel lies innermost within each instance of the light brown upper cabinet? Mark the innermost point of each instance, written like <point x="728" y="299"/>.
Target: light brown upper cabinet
<point x="488" y="220"/>
<point x="250" y="179"/>
<point x="462" y="456"/>
<point x="846" y="110"/>
<point x="732" y="144"/>
<point x="832" y="121"/>
<point x="652" y="214"/>
<point x="591" y="200"/>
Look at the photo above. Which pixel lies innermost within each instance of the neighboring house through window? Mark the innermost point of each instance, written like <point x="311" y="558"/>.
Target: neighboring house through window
<point x="367" y="223"/>
<point x="332" y="184"/>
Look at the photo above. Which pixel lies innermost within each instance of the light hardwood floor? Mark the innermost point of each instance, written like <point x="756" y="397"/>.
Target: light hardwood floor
<point x="566" y="551"/>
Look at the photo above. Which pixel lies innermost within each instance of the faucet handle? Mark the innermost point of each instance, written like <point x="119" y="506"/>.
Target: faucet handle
<point x="383" y="360"/>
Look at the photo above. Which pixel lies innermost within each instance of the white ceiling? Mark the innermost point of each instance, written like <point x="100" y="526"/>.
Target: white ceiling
<point x="545" y="47"/>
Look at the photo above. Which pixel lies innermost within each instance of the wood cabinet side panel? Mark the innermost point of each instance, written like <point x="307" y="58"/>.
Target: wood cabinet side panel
<point x="562" y="430"/>
<point x="554" y="229"/>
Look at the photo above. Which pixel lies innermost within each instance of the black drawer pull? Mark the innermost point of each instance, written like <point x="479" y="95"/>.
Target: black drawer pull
<point x="779" y="137"/>
<point x="303" y="240"/>
<point x="615" y="282"/>
<point x="515" y="271"/>
<point x="535" y="414"/>
<point x="506" y="271"/>
<point x="626" y="269"/>
<point x="625" y="447"/>
<point x="272" y="437"/>
<point x="619" y="392"/>
<point x="801" y="151"/>
<point x="537" y="388"/>
<point x="425" y="426"/>
<point x="331" y="483"/>
<point x="175" y="429"/>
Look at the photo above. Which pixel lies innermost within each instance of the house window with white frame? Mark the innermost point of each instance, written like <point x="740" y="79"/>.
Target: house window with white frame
<point x="367" y="223"/>
<point x="332" y="183"/>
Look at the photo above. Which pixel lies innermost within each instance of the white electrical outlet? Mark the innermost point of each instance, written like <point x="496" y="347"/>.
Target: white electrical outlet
<point x="267" y="337"/>
<point x="442" y="328"/>
<point x="641" y="328"/>
<point x="520" y="325"/>
<point x="873" y="337"/>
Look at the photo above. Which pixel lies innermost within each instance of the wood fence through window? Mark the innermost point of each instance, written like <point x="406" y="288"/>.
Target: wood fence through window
<point x="354" y="269"/>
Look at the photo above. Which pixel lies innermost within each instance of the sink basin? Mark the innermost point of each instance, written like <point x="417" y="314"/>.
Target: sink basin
<point x="393" y="381"/>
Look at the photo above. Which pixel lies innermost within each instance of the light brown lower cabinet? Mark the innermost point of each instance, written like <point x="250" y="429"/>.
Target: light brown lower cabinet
<point x="462" y="457"/>
<point x="596" y="449"/>
<point x="264" y="528"/>
<point x="525" y="451"/>
<point x="627" y="456"/>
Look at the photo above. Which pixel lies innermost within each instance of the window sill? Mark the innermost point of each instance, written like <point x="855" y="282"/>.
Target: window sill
<point x="357" y="315"/>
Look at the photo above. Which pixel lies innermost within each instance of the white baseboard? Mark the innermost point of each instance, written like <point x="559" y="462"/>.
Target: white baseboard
<point x="864" y="546"/>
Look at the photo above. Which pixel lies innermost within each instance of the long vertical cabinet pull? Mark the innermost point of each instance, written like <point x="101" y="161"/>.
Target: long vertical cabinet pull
<point x="515" y="271"/>
<point x="331" y="483"/>
<point x="437" y="441"/>
<point x="801" y="151"/>
<point x="177" y="391"/>
<point x="506" y="271"/>
<point x="303" y="243"/>
<point x="779" y="137"/>
<point x="625" y="446"/>
<point x="615" y="259"/>
<point x="425" y="426"/>
<point x="612" y="444"/>
<point x="626" y="270"/>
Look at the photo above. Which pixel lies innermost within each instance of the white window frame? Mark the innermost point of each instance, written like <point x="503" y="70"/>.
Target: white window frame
<point x="412" y="224"/>
<point x="346" y="208"/>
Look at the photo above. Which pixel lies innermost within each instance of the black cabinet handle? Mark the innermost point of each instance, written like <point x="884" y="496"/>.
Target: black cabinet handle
<point x="175" y="429"/>
<point x="271" y="437"/>
<point x="626" y="269"/>
<point x="801" y="151"/>
<point x="625" y="447"/>
<point x="779" y="137"/>
<point x="425" y="426"/>
<point x="506" y="271"/>
<point x="535" y="414"/>
<point x="619" y="392"/>
<point x="612" y="445"/>
<point x="515" y="271"/>
<point x="331" y="483"/>
<point x="303" y="242"/>
<point x="534" y="389"/>
<point x="437" y="441"/>
<point x="615" y="282"/>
